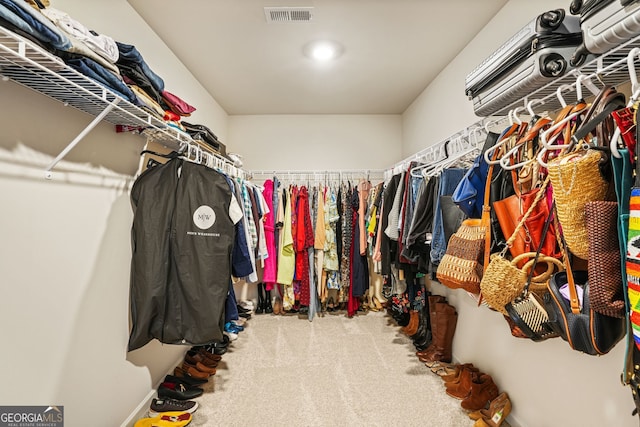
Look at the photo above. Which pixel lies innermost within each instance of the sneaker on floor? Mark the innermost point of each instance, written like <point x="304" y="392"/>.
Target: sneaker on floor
<point x="232" y="336"/>
<point x="166" y="419"/>
<point x="239" y="322"/>
<point x="159" y="406"/>
<point x="249" y="305"/>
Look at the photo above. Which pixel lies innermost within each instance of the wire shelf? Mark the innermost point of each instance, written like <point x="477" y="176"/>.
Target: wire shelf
<point x="32" y="66"/>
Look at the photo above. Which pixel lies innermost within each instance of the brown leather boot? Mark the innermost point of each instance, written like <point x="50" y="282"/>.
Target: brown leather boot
<point x="483" y="390"/>
<point x="446" y="320"/>
<point x="433" y="300"/>
<point x="414" y="322"/>
<point x="463" y="388"/>
<point x="454" y="378"/>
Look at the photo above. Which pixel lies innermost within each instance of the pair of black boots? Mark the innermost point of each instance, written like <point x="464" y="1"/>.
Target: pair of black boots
<point x="264" y="300"/>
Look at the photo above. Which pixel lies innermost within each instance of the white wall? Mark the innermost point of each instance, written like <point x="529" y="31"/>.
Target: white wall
<point x="317" y="142"/>
<point x="66" y="253"/>
<point x="550" y="384"/>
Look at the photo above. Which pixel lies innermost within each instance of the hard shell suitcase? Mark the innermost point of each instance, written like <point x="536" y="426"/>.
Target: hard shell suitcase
<point x="538" y="53"/>
<point x="605" y="25"/>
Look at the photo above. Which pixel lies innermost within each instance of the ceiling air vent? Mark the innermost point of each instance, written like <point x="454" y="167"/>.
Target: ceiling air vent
<point x="288" y="14"/>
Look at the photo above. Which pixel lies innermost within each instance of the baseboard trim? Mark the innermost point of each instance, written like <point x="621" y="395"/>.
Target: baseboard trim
<point x="141" y="411"/>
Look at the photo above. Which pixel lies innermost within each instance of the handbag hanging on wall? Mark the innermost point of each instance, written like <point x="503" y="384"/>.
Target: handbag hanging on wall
<point x="527" y="312"/>
<point x="573" y="318"/>
<point x="467" y="255"/>
<point x="504" y="281"/>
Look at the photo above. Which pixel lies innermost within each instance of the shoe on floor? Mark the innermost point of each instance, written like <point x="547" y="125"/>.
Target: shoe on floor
<point x="190" y="381"/>
<point x="239" y="322"/>
<point x="166" y="419"/>
<point x="160" y="406"/>
<point x="178" y="391"/>
<point x="231" y="336"/>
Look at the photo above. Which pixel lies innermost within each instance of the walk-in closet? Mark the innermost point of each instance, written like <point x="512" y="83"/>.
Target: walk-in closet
<point x="320" y="213"/>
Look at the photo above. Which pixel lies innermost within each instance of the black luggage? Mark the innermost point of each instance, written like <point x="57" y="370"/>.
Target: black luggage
<point x="537" y="54"/>
<point x="605" y="25"/>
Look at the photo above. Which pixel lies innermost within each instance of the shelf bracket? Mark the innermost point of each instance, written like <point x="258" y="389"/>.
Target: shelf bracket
<point x="47" y="173"/>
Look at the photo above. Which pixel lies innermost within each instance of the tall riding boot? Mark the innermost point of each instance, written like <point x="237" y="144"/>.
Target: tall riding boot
<point x="267" y="300"/>
<point x="433" y="300"/>
<point x="422" y="338"/>
<point x="446" y="320"/>
<point x="261" y="302"/>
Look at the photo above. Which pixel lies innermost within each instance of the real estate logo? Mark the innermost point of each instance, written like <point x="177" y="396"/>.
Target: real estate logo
<point x="31" y="416"/>
<point x="204" y="217"/>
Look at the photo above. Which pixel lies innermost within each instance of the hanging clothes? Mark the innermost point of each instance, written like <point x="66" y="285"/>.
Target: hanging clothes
<point x="304" y="241"/>
<point x="347" y="225"/>
<point x="269" y="275"/>
<point x="359" y="263"/>
<point x="177" y="293"/>
<point x="319" y="243"/>
<point x="286" y="256"/>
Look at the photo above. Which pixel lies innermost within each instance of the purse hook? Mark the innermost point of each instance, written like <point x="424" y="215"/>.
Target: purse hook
<point x="635" y="93"/>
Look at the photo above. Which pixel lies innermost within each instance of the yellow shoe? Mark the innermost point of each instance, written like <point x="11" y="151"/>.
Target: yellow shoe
<point x="166" y="419"/>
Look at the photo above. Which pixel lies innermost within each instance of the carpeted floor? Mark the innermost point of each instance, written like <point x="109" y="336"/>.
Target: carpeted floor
<point x="333" y="371"/>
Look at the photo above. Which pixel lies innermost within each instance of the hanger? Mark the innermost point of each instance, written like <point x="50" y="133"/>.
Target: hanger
<point x="548" y="137"/>
<point x="535" y="131"/>
<point x="635" y="95"/>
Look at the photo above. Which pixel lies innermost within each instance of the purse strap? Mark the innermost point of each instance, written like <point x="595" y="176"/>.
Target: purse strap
<point x="545" y="229"/>
<point x="573" y="293"/>
<point x="608" y="101"/>
<point x="541" y="193"/>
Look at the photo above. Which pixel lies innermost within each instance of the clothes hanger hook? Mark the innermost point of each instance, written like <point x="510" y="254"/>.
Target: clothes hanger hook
<point x="530" y="107"/>
<point x="517" y="118"/>
<point x="579" y="80"/>
<point x="633" y="77"/>
<point x="559" y="95"/>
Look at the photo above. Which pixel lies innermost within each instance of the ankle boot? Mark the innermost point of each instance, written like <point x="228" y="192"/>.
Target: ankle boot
<point x="483" y="391"/>
<point x="455" y="377"/>
<point x="261" y="302"/>
<point x="267" y="307"/>
<point x="412" y="327"/>
<point x="446" y="320"/>
<point x="433" y="300"/>
<point x="462" y="389"/>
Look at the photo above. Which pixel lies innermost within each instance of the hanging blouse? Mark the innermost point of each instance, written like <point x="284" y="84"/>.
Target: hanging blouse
<point x="330" y="247"/>
<point x="269" y="276"/>
<point x="286" y="259"/>
<point x="304" y="240"/>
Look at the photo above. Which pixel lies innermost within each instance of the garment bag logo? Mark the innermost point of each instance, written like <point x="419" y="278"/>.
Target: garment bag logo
<point x="204" y="217"/>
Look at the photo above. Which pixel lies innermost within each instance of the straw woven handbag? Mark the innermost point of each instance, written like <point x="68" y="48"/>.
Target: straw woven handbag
<point x="504" y="281"/>
<point x="576" y="180"/>
<point x="467" y="254"/>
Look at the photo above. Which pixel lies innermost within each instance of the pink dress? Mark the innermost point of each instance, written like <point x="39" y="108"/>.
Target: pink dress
<point x="270" y="272"/>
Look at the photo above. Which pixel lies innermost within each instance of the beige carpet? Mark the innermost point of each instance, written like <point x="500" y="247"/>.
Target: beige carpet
<point x="333" y="371"/>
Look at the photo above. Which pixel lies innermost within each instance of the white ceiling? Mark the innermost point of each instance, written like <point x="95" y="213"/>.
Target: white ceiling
<point x="392" y="50"/>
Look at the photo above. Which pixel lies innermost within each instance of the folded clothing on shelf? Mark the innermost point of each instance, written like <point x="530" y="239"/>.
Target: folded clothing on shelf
<point x="204" y="134"/>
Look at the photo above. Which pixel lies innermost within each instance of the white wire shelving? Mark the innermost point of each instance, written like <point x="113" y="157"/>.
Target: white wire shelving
<point x="29" y="65"/>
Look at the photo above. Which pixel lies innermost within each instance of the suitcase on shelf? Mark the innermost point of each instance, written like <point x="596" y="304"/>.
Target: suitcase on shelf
<point x="538" y="53"/>
<point x="605" y="25"/>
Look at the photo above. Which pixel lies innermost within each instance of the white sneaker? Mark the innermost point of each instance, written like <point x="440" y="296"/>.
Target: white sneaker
<point x="247" y="304"/>
<point x="239" y="322"/>
<point x="231" y="336"/>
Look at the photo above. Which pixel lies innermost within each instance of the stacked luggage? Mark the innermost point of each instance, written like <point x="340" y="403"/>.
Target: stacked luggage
<point x="549" y="47"/>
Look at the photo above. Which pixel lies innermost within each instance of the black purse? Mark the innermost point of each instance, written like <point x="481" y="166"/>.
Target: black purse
<point x="584" y="329"/>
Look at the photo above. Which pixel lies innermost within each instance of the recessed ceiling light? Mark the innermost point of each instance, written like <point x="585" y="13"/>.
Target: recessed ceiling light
<point x="323" y="51"/>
